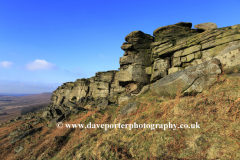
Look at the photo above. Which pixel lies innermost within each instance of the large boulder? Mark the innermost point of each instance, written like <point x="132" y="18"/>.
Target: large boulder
<point x="205" y="26"/>
<point x="130" y="107"/>
<point x="47" y="115"/>
<point x="160" y="68"/>
<point x="101" y="104"/>
<point x="134" y="73"/>
<point x="167" y="35"/>
<point x="25" y="134"/>
<point x="124" y="98"/>
<point x="13" y="133"/>
<point x="18" y="149"/>
<point x="70" y="105"/>
<point x="26" y="126"/>
<point x="230" y="57"/>
<point x="144" y="89"/>
<point x="133" y="88"/>
<point x="176" y="27"/>
<point x="56" y="120"/>
<point x="138" y="37"/>
<point x="193" y="79"/>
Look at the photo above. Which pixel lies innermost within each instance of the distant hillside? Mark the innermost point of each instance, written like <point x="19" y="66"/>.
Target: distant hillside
<point x="13" y="104"/>
<point x="7" y="101"/>
<point x="47" y="93"/>
<point x="20" y="94"/>
<point x="14" y="94"/>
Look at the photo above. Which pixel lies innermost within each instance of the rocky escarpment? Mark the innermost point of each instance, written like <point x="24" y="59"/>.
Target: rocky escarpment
<point x="148" y="59"/>
<point x="103" y="84"/>
<point x="177" y="59"/>
<point x="176" y="48"/>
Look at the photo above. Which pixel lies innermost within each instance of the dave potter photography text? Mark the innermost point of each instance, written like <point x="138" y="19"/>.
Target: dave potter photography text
<point x="130" y="126"/>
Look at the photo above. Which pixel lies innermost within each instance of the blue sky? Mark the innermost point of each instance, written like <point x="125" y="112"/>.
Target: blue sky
<point x="44" y="43"/>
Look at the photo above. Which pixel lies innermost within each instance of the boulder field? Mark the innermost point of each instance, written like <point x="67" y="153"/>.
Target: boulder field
<point x="176" y="56"/>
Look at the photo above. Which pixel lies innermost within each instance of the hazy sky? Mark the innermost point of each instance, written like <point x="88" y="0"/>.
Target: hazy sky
<point x="44" y="43"/>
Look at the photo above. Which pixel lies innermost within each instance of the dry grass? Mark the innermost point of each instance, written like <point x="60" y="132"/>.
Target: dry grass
<point x="217" y="110"/>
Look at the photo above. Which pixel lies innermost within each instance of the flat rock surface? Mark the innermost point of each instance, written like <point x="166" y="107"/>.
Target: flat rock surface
<point x="130" y="107"/>
<point x="169" y="85"/>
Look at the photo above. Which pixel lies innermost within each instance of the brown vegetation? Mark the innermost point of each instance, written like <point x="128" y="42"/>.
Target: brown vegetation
<point x="216" y="110"/>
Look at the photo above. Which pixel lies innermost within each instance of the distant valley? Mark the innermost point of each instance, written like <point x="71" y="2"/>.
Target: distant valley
<point x="12" y="104"/>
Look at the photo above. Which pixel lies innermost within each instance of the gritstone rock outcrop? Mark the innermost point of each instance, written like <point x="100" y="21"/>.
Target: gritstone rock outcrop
<point x="175" y="54"/>
<point x="189" y="80"/>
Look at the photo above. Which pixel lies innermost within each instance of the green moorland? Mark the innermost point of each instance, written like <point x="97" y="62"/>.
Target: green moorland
<point x="216" y="110"/>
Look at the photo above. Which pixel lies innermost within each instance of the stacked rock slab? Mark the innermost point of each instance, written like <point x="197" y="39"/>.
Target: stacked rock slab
<point x="196" y="47"/>
<point x="165" y="38"/>
<point x="136" y="59"/>
<point x="102" y="85"/>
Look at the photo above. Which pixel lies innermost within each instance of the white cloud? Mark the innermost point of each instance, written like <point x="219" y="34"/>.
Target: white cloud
<point x="6" y="64"/>
<point x="40" y="64"/>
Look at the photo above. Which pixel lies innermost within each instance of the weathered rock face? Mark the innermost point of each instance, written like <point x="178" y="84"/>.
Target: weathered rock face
<point x="104" y="84"/>
<point x="136" y="58"/>
<point x="175" y="54"/>
<point x="159" y="69"/>
<point x="195" y="47"/>
<point x="230" y="57"/>
<point x="174" y="48"/>
<point x="193" y="79"/>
